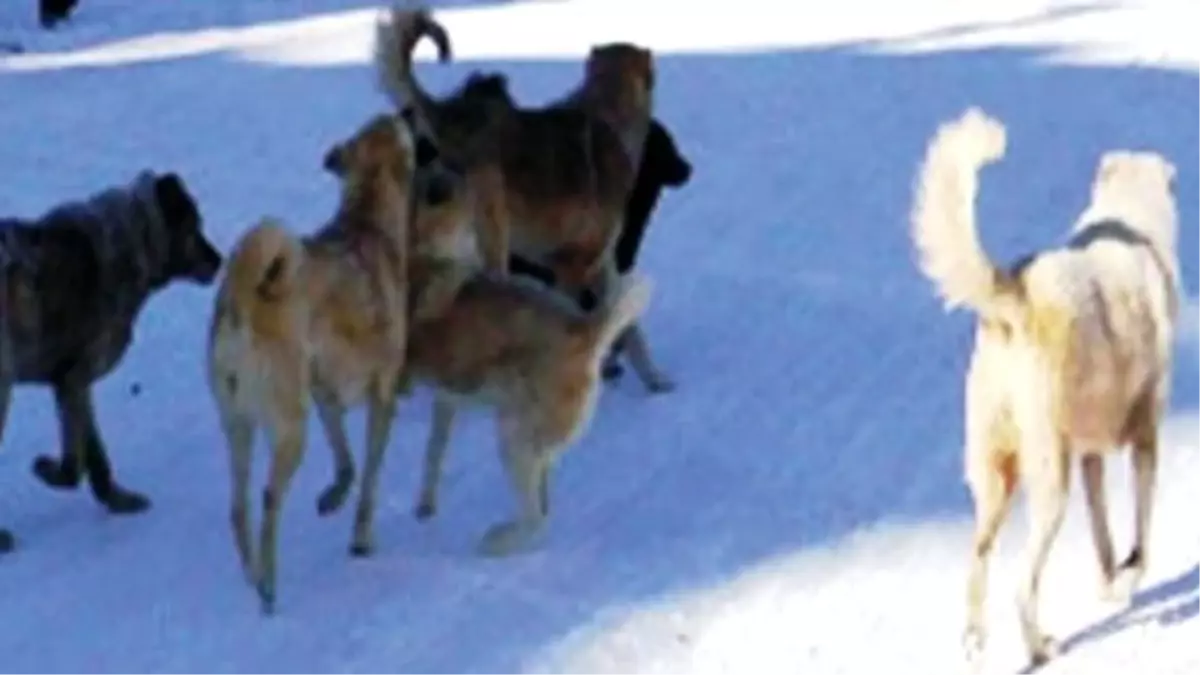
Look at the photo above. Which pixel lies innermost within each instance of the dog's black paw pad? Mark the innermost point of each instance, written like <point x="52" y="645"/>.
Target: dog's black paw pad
<point x="7" y="542"/>
<point x="122" y="502"/>
<point x="50" y="472"/>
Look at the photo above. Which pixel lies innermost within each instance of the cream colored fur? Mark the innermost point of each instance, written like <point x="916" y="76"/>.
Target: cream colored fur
<point x="1072" y="355"/>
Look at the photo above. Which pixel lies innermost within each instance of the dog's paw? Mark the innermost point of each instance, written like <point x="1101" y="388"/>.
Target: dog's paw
<point x="611" y="370"/>
<point x="121" y="501"/>
<point x="505" y="539"/>
<point x="1120" y="589"/>
<point x="660" y="384"/>
<point x="332" y="498"/>
<point x="266" y="597"/>
<point x="973" y="643"/>
<point x="1044" y="649"/>
<point x="7" y="541"/>
<point x="362" y="548"/>
<point x="425" y="509"/>
<point x="50" y="471"/>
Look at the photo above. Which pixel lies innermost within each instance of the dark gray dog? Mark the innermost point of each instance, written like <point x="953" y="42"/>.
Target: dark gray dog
<point x="72" y="284"/>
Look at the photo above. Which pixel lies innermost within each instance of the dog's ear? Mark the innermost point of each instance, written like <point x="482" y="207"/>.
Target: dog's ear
<point x="174" y="200"/>
<point x="335" y="160"/>
<point x="661" y="157"/>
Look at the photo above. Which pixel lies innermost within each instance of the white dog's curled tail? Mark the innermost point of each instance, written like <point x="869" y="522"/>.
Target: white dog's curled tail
<point x="943" y="216"/>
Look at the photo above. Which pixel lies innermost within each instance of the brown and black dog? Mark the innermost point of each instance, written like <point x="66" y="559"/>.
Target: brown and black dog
<point x="549" y="183"/>
<point x="662" y="166"/>
<point x="503" y="341"/>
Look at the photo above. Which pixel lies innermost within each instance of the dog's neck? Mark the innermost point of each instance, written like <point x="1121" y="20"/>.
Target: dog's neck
<point x="375" y="204"/>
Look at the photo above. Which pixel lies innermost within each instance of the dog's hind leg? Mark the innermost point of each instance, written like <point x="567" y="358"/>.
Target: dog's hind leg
<point x="287" y="432"/>
<point x="332" y="415"/>
<point x="526" y="463"/>
<point x="239" y="436"/>
<point x="1144" y="440"/>
<point x="992" y="483"/>
<point x="73" y="404"/>
<point x="444" y="411"/>
<point x="1092" y="468"/>
<point x="380" y="412"/>
<point x="1044" y="469"/>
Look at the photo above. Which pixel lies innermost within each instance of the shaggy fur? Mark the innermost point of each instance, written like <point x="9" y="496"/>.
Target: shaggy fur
<point x="549" y="183"/>
<point x="1072" y="353"/>
<point x="323" y="319"/>
<point x="73" y="283"/>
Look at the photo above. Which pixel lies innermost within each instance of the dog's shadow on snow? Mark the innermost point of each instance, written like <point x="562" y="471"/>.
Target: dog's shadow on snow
<point x="1169" y="603"/>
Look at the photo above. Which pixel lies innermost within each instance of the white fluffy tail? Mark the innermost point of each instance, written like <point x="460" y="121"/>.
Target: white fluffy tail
<point x="943" y="216"/>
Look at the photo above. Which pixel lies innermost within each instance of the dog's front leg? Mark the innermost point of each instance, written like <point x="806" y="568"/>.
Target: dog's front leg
<point x="113" y="496"/>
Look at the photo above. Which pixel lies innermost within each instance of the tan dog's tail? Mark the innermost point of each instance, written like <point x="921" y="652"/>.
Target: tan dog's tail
<point x="943" y="216"/>
<point x="263" y="268"/>
<point x="395" y="40"/>
<point x="629" y="299"/>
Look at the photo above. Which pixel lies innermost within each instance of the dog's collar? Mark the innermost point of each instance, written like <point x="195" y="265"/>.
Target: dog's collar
<point x="1115" y="229"/>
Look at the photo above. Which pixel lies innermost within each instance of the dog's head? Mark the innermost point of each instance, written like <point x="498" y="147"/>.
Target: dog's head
<point x="190" y="255"/>
<point x="387" y="143"/>
<point x="1139" y="187"/>
<point x="1135" y="171"/>
<point x="661" y="159"/>
<point x="623" y="67"/>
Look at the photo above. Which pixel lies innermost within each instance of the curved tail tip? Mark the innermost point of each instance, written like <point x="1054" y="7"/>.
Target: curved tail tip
<point x="979" y="134"/>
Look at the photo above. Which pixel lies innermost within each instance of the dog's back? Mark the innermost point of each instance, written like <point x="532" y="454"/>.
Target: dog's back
<point x="500" y="335"/>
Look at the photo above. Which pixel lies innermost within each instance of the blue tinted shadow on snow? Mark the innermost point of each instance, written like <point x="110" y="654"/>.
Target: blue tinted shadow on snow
<point x="820" y="383"/>
<point x="1171" y="602"/>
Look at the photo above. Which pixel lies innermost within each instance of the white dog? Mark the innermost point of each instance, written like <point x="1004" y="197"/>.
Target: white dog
<point x="1072" y="352"/>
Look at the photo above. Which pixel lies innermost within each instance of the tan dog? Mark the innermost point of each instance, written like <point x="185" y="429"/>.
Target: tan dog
<point x="322" y="318"/>
<point x="533" y="356"/>
<point x="1072" y="353"/>
<point x="550" y="184"/>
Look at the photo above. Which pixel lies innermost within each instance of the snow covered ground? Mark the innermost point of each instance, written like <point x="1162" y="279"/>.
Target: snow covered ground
<point x="795" y="506"/>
